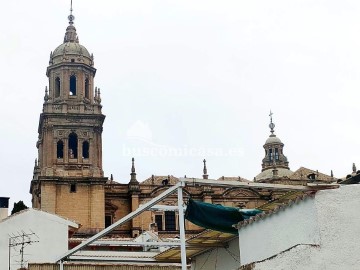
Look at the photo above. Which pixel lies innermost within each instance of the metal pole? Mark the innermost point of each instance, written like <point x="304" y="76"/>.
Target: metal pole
<point x="61" y="265"/>
<point x="182" y="227"/>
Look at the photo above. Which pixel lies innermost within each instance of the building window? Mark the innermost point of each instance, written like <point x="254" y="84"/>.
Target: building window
<point x="73" y="145"/>
<point x="57" y="87"/>
<point x="276" y="154"/>
<point x="270" y="155"/>
<point x="85" y="149"/>
<point x="72" y="188"/>
<point x="72" y="85"/>
<point x="60" y="149"/>
<point x="87" y="92"/>
<point x="108" y="221"/>
<point x="159" y="222"/>
<point x="170" y="221"/>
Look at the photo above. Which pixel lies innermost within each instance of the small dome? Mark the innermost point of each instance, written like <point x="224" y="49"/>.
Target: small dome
<point x="71" y="48"/>
<point x="266" y="174"/>
<point x="273" y="139"/>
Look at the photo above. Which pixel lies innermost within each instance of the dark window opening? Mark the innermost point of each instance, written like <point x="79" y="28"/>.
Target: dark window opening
<point x="72" y="60"/>
<point x="73" y="188"/>
<point x="270" y="155"/>
<point x="276" y="154"/>
<point x="87" y="92"/>
<point x="165" y="182"/>
<point x="57" y="87"/>
<point x="72" y="85"/>
<point x="73" y="145"/>
<point x="311" y="176"/>
<point x="60" y="149"/>
<point x="108" y="221"/>
<point x="170" y="221"/>
<point x="85" y="150"/>
<point x="158" y="221"/>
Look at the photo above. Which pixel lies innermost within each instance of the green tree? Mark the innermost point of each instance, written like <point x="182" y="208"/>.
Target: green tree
<point x="19" y="206"/>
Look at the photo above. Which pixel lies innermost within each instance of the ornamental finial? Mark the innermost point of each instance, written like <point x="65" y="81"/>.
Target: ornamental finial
<point x="271" y="125"/>
<point x="205" y="175"/>
<point x="71" y="17"/>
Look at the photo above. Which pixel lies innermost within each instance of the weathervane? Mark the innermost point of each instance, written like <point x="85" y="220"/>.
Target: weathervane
<point x="271" y="125"/>
<point x="71" y="17"/>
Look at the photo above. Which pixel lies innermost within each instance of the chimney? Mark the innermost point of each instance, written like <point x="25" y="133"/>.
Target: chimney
<point x="4" y="207"/>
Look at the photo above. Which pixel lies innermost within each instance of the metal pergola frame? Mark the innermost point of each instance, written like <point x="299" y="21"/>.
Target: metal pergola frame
<point x="180" y="207"/>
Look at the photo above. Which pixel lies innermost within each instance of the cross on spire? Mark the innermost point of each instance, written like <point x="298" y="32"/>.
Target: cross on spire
<point x="271" y="125"/>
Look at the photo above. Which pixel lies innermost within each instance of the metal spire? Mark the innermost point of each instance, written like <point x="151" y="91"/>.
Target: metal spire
<point x="271" y="125"/>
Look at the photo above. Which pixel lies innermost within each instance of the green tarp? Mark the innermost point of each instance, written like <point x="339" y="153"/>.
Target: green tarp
<point x="217" y="217"/>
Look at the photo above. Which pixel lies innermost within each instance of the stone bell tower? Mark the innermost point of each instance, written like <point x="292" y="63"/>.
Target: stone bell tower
<point x="68" y="176"/>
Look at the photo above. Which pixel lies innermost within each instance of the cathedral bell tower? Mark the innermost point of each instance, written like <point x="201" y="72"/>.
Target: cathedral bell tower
<point x="275" y="164"/>
<point x="68" y="176"/>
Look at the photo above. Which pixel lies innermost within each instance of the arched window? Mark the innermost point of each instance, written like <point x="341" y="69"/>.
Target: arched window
<point x="60" y="149"/>
<point x="57" y="87"/>
<point x="85" y="149"/>
<point x="72" y="85"/>
<point x="87" y="92"/>
<point x="73" y="145"/>
<point x="270" y="155"/>
<point x="276" y="154"/>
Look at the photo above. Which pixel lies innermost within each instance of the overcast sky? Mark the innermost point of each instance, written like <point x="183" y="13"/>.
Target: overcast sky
<point x="186" y="80"/>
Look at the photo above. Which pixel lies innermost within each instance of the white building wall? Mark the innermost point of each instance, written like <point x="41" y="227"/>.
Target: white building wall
<point x="218" y="258"/>
<point x="338" y="215"/>
<point x="296" y="224"/>
<point x="52" y="232"/>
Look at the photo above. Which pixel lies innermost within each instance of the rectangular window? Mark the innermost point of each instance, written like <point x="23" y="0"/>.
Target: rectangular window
<point x="159" y="222"/>
<point x="170" y="221"/>
<point x="73" y="188"/>
<point x="108" y="221"/>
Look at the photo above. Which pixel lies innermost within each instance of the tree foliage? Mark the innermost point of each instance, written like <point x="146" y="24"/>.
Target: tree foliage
<point x="19" y="206"/>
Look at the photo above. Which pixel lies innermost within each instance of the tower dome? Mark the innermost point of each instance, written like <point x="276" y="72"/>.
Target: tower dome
<point x="275" y="163"/>
<point x="71" y="50"/>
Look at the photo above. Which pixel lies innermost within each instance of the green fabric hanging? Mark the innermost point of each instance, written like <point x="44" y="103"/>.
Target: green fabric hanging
<point x="217" y="217"/>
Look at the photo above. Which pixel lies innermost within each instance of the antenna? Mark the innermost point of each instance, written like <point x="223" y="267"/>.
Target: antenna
<point x="22" y="240"/>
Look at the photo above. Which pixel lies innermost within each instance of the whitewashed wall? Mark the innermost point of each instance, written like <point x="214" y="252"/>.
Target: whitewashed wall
<point x="338" y="215"/>
<point x="296" y="224"/>
<point x="218" y="258"/>
<point x="51" y="230"/>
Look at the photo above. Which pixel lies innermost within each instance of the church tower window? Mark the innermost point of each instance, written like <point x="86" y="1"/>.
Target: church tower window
<point x="60" y="149"/>
<point x="57" y="87"/>
<point x="87" y="93"/>
<point x="73" y="145"/>
<point x="72" y="85"/>
<point x="276" y="154"/>
<point x="270" y="155"/>
<point x="85" y="149"/>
